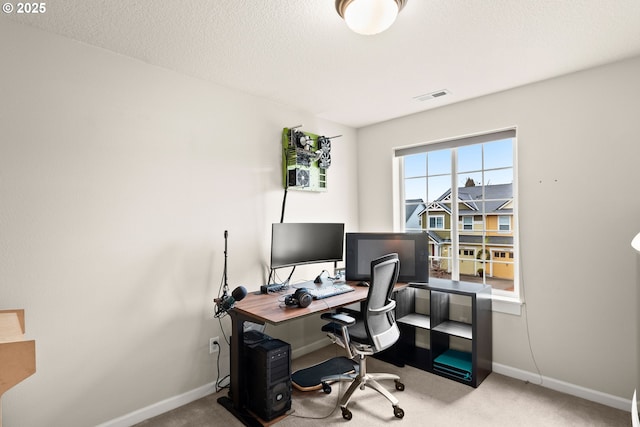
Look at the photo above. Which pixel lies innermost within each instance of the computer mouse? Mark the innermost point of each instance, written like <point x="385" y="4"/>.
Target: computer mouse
<point x="363" y="283"/>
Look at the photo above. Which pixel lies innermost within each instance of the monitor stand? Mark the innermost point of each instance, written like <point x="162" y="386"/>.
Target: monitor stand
<point x="310" y="284"/>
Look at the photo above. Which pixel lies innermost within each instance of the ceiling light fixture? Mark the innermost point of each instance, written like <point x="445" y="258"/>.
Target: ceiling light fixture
<point x="635" y="243"/>
<point x="369" y="17"/>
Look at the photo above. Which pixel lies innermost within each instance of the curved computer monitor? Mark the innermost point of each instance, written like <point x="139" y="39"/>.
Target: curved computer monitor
<point x="412" y="249"/>
<point x="306" y="243"/>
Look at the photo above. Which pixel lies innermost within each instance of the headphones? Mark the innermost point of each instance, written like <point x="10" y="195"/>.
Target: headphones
<point x="300" y="298"/>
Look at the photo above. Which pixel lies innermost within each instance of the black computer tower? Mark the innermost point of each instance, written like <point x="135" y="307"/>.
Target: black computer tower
<point x="268" y="378"/>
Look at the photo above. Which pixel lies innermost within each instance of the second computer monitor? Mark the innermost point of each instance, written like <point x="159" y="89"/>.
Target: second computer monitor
<point x="412" y="249"/>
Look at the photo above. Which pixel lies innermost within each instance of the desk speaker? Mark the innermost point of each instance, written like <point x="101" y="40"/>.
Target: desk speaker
<point x="268" y="378"/>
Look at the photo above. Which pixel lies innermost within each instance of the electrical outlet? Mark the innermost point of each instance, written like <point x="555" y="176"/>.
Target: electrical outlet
<point x="214" y="345"/>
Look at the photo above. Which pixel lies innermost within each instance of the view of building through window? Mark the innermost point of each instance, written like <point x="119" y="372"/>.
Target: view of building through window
<point x="462" y="195"/>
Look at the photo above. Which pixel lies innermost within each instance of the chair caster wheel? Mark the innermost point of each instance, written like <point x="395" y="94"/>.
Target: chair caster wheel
<point x="347" y="415"/>
<point x="399" y="386"/>
<point x="326" y="388"/>
<point x="398" y="412"/>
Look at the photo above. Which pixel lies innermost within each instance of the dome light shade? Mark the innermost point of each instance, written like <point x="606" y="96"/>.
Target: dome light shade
<point x="369" y="17"/>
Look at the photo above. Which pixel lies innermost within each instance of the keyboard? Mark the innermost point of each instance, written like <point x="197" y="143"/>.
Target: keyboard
<point x="329" y="291"/>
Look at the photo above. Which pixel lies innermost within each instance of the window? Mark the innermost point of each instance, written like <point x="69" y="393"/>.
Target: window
<point x="467" y="223"/>
<point x="436" y="222"/>
<point x="504" y="223"/>
<point x="467" y="193"/>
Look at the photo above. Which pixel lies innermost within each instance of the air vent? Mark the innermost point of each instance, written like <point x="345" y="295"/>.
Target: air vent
<point x="432" y="95"/>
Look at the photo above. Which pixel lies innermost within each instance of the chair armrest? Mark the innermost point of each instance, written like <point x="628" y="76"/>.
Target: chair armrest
<point x="384" y="309"/>
<point x="340" y="318"/>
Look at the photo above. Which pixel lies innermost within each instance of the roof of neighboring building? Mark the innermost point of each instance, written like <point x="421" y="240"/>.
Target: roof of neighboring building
<point x="466" y="239"/>
<point x="495" y="196"/>
<point x="412" y="205"/>
<point x="490" y="240"/>
<point x="436" y="237"/>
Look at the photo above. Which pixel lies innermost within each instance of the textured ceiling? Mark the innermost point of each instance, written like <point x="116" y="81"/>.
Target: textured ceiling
<point x="300" y="53"/>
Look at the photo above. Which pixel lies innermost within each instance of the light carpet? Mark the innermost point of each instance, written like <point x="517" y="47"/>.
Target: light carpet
<point x="428" y="400"/>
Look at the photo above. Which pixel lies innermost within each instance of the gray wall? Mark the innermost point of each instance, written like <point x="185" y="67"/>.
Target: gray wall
<point x="578" y="148"/>
<point x="117" y="181"/>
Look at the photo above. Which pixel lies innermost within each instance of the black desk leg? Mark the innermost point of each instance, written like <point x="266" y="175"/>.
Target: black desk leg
<point x="235" y="402"/>
<point x="236" y="358"/>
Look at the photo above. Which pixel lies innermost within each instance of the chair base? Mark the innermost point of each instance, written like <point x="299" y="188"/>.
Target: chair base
<point x="362" y="379"/>
<point x="371" y="381"/>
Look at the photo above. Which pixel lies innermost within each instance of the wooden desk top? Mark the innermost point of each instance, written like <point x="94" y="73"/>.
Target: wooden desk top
<point x="270" y="308"/>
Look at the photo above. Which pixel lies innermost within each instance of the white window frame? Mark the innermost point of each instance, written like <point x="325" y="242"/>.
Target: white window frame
<point x="506" y="302"/>
<point x="470" y="224"/>
<point x="436" y="217"/>
<point x="508" y="224"/>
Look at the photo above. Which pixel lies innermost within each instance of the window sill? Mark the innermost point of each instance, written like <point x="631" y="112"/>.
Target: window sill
<point x="507" y="305"/>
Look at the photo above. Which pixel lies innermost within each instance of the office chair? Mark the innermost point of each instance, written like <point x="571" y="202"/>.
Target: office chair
<point x="377" y="331"/>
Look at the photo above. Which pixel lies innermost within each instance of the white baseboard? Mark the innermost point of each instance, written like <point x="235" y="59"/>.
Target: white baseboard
<point x="161" y="407"/>
<point x="564" y="387"/>
<point x="188" y="397"/>
<point x="207" y="389"/>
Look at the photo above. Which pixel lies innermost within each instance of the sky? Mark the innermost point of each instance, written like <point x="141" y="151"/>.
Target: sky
<point x="435" y="168"/>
